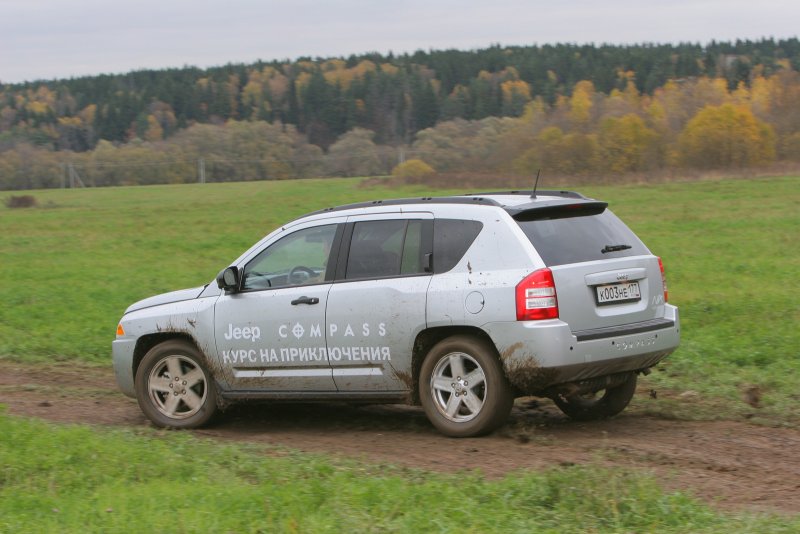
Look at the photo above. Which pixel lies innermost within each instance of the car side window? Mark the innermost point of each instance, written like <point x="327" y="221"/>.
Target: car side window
<point x="385" y="248"/>
<point x="451" y="239"/>
<point x="300" y="258"/>
<point x="412" y="249"/>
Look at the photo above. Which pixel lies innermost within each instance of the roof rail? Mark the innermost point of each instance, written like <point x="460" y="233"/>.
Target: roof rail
<point x="466" y="199"/>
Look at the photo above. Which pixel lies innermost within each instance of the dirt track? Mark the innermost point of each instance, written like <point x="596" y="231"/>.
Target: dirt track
<point x="731" y="464"/>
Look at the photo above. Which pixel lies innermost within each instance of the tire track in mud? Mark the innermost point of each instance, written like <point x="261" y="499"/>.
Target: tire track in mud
<point x="733" y="465"/>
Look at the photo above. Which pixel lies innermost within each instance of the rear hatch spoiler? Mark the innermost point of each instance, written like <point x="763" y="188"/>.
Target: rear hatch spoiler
<point x="556" y="209"/>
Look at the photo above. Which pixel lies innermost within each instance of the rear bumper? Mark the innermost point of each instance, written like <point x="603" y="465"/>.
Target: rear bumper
<point x="540" y="354"/>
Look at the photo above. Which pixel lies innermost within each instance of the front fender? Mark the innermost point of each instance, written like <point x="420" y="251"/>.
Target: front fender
<point x="144" y="328"/>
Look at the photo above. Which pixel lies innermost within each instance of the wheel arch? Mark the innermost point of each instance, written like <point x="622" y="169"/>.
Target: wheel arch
<point x="148" y="341"/>
<point x="429" y="337"/>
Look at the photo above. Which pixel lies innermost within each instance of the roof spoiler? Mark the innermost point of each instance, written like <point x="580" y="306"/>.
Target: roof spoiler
<point x="529" y="192"/>
<point x="556" y="209"/>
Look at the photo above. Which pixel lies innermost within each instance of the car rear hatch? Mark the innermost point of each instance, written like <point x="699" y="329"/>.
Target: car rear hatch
<point x="605" y="277"/>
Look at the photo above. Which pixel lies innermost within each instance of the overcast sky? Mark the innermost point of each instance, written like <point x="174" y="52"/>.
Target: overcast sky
<point x="45" y="39"/>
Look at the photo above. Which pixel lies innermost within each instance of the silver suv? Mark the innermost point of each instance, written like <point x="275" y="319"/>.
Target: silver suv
<point x="458" y="303"/>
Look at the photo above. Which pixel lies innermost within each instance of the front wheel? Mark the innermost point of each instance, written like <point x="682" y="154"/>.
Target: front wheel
<point x="173" y="387"/>
<point x="463" y="389"/>
<point x="599" y="404"/>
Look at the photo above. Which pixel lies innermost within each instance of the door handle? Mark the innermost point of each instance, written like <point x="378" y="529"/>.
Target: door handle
<point x="305" y="300"/>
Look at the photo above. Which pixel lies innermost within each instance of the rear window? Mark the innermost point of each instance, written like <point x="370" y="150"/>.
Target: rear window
<point x="575" y="239"/>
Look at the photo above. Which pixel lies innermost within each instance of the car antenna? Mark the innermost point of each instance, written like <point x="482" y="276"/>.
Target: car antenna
<point x="536" y="184"/>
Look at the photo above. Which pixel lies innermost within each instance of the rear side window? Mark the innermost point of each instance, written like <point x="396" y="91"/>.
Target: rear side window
<point x="385" y="248"/>
<point x="451" y="240"/>
<point x="412" y="249"/>
<point x="563" y="240"/>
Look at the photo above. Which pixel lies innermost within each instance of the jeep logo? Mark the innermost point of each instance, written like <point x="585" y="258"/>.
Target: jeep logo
<point x="249" y="333"/>
<point x="621" y="276"/>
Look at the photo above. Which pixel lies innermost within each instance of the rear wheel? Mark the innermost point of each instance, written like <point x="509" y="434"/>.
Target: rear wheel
<point x="463" y="388"/>
<point x="173" y="387"/>
<point x="598" y="404"/>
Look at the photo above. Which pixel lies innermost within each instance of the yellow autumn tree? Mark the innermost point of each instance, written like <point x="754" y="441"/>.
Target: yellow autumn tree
<point x="546" y="153"/>
<point x="154" y="130"/>
<point x="775" y="101"/>
<point x="726" y="136"/>
<point x="579" y="154"/>
<point x="278" y="87"/>
<point x="627" y="144"/>
<point x="580" y="104"/>
<point x="516" y="94"/>
<point x="557" y="153"/>
<point x="413" y="170"/>
<point x="253" y="96"/>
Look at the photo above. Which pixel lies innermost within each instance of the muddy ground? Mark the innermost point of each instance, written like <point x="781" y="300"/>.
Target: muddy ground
<point x="733" y="465"/>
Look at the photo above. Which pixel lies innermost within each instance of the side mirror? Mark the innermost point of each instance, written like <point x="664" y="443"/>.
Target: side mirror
<point x="228" y="279"/>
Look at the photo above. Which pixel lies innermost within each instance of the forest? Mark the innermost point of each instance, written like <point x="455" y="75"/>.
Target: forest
<point x="574" y="110"/>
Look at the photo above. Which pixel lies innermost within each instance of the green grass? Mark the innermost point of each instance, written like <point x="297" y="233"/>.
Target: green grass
<point x="76" y="479"/>
<point x="731" y="248"/>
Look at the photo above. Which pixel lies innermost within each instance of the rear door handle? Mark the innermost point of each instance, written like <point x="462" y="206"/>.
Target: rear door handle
<point x="305" y="300"/>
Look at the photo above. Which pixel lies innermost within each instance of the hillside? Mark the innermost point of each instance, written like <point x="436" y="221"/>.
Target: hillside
<point x="394" y="96"/>
<point x="577" y="111"/>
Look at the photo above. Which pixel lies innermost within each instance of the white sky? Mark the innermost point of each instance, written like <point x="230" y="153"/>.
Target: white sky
<point x="46" y="39"/>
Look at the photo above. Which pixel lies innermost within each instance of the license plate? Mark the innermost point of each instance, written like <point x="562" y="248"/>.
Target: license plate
<point x="616" y="293"/>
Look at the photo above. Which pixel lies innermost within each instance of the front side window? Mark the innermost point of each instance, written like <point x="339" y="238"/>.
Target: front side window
<point x="385" y="248"/>
<point x="300" y="258"/>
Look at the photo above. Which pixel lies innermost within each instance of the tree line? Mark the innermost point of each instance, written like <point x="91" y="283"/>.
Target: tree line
<point x="567" y="108"/>
<point x="394" y="96"/>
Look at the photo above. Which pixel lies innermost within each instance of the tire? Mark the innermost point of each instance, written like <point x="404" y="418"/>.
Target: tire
<point x="592" y="406"/>
<point x="463" y="389"/>
<point x="173" y="386"/>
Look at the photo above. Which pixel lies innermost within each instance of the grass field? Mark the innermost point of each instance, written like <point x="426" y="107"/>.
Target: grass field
<point x="84" y="480"/>
<point x="70" y="267"/>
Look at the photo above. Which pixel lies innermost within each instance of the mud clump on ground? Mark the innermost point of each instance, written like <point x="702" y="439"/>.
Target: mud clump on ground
<point x="21" y="201"/>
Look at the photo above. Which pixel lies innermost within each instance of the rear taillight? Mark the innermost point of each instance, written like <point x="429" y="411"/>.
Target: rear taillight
<point x="536" y="297"/>
<point x="663" y="278"/>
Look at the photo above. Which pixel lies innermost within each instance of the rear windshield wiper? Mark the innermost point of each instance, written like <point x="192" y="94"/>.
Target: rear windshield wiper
<point x="614" y="248"/>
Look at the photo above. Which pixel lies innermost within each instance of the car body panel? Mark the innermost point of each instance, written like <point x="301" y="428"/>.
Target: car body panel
<point x="166" y="298"/>
<point x="188" y="319"/>
<point x="371" y="328"/>
<point x="576" y="289"/>
<point x="265" y="342"/>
